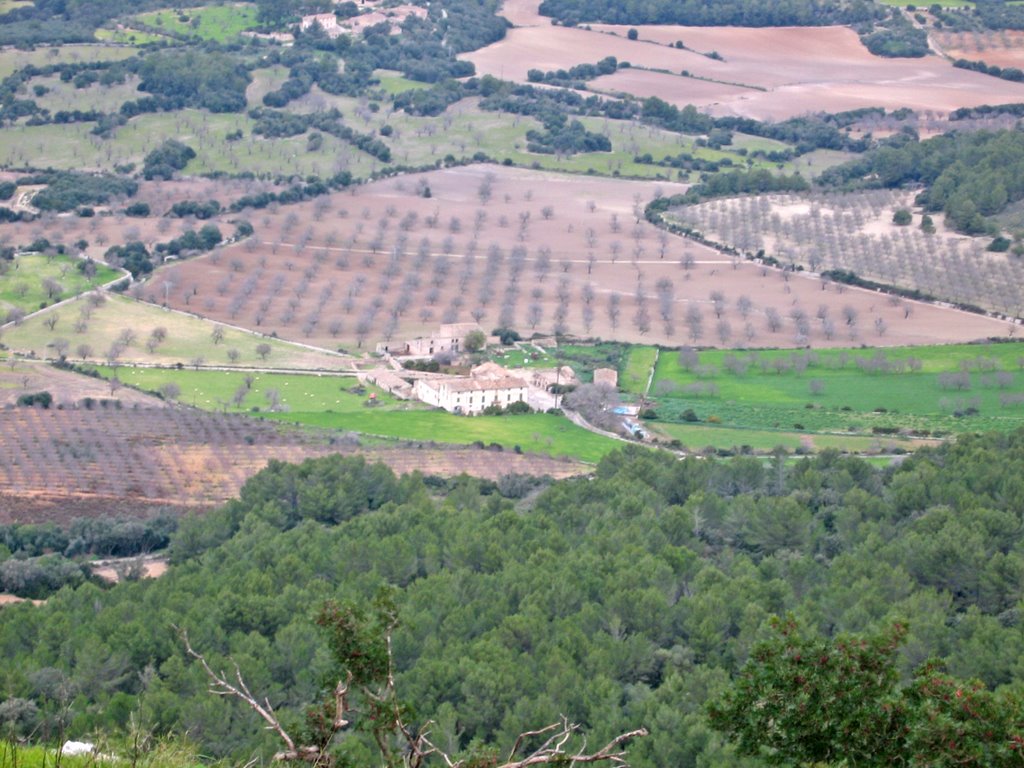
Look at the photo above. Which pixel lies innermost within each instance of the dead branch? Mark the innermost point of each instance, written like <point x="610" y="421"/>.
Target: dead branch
<point x="554" y="749"/>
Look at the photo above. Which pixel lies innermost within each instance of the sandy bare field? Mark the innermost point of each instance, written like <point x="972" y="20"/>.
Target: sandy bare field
<point x="18" y="378"/>
<point x="674" y="88"/>
<point x="1004" y="48"/>
<point x="802" y="69"/>
<point x="544" y="252"/>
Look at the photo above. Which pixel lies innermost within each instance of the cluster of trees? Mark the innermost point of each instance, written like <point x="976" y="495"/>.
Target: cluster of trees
<point x="1013" y="74"/>
<point x="805" y="133"/>
<point x="208" y="237"/>
<point x="54" y="21"/>
<point x="102" y="536"/>
<point x="579" y="73"/>
<point x="36" y="560"/>
<point x="276" y="124"/>
<point x="566" y="137"/>
<point x="193" y="78"/>
<point x="969" y="176"/>
<point x="630" y="598"/>
<point x="133" y="256"/>
<point x="735" y="13"/>
<point x="294" y="194"/>
<point x="896" y="37"/>
<point x="170" y="156"/>
<point x="728" y="185"/>
<point x="68" y="190"/>
<point x="999" y="14"/>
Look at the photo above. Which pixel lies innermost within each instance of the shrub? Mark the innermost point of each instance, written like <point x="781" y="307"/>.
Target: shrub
<point x="42" y="399"/>
<point x="902" y="217"/>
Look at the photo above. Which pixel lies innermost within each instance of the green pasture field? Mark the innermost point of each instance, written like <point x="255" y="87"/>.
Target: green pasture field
<point x="219" y="23"/>
<point x="392" y="82"/>
<point x="213" y="390"/>
<point x="464" y="129"/>
<point x="129" y="36"/>
<point x="850" y="399"/>
<point x="12" y="59"/>
<point x="188" y="338"/>
<point x="65" y="96"/>
<point x="582" y="358"/>
<point x="524" y="358"/>
<point x="757" y="143"/>
<point x="815" y="163"/>
<point x="29" y="271"/>
<point x="72" y="146"/>
<point x="636" y="368"/>
<point x="322" y="401"/>
<point x="263" y="82"/>
<point x="534" y="433"/>
<point x="696" y="437"/>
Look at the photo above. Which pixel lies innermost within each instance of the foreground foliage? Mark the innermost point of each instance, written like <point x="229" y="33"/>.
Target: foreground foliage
<point x="629" y="599"/>
<point x="807" y="699"/>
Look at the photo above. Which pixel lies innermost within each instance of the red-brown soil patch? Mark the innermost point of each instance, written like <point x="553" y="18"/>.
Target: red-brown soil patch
<point x="803" y="69"/>
<point x="1003" y="49"/>
<point x="60" y="464"/>
<point x="336" y="282"/>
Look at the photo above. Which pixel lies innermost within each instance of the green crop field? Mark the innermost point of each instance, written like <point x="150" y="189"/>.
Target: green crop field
<point x="215" y="390"/>
<point x="534" y="433"/>
<point x="129" y="36"/>
<point x="325" y="401"/>
<point x="219" y="23"/>
<point x="636" y="369"/>
<point x="393" y="82"/>
<point x="188" y="338"/>
<point x="941" y="389"/>
<point x="697" y="437"/>
<point x="23" y="281"/>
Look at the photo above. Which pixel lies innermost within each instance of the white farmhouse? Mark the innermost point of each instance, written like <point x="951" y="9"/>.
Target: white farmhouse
<point x="470" y="396"/>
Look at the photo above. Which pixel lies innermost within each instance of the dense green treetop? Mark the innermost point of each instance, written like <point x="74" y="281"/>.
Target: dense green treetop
<point x="627" y="599"/>
<point x="969" y="176"/>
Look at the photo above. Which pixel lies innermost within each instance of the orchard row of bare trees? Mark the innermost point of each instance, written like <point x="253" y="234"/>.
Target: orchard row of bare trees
<point x="854" y="232"/>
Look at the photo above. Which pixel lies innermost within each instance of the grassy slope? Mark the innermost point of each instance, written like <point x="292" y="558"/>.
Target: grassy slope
<point x="636" y="369"/>
<point x="12" y="59"/>
<point x="30" y="270"/>
<point x="213" y="390"/>
<point x="851" y="399"/>
<point x="323" y="402"/>
<point x="534" y="433"/>
<point x="188" y="337"/>
<point x="219" y="23"/>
